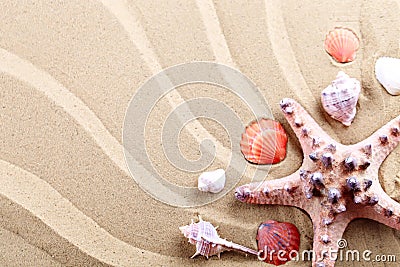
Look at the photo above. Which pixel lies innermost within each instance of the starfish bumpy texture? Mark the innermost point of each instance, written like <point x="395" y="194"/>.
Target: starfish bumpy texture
<point x="335" y="184"/>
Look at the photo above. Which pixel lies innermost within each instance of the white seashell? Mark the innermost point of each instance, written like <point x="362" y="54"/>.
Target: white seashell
<point x="207" y="241"/>
<point x="213" y="181"/>
<point x="340" y="98"/>
<point x="387" y="71"/>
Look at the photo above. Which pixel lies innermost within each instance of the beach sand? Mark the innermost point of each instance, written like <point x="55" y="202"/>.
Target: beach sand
<point x="68" y="71"/>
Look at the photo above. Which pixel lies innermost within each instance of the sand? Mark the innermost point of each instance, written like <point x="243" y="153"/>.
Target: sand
<point x="67" y="73"/>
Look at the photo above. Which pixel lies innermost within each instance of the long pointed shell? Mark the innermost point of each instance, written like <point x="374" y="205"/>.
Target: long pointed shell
<point x="342" y="44"/>
<point x="277" y="241"/>
<point x="264" y="142"/>
<point x="387" y="71"/>
<point x="340" y="98"/>
<point x="208" y="243"/>
<point x="213" y="181"/>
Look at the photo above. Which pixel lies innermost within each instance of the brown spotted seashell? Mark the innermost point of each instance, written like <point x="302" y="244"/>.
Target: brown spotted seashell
<point x="342" y="44"/>
<point x="278" y="242"/>
<point x="208" y="243"/>
<point x="264" y="142"/>
<point x="340" y="98"/>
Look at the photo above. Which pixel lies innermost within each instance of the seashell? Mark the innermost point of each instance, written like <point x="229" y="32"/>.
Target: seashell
<point x="342" y="44"/>
<point x="264" y="142"/>
<point x="340" y="98"/>
<point x="213" y="181"/>
<point x="387" y="71"/>
<point x="208" y="243"/>
<point x="277" y="241"/>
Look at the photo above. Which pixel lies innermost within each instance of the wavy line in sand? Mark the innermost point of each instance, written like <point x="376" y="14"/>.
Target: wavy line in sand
<point x="42" y="200"/>
<point x="18" y="248"/>
<point x="217" y="41"/>
<point x="214" y="32"/>
<point x="135" y="32"/>
<point x="45" y="83"/>
<point x="45" y="202"/>
<point x="138" y="37"/>
<point x="283" y="50"/>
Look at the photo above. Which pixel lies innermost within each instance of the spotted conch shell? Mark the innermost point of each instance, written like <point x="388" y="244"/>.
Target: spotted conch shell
<point x="212" y="181"/>
<point x="208" y="243"/>
<point x="387" y="71"/>
<point x="340" y="98"/>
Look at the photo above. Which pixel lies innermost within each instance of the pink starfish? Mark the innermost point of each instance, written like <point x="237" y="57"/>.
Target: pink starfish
<point x="335" y="184"/>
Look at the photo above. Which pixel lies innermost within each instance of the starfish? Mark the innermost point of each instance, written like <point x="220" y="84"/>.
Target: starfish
<point x="335" y="184"/>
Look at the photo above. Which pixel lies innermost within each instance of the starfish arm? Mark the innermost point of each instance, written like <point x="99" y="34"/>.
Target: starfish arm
<point x="386" y="211"/>
<point x="328" y="240"/>
<point x="284" y="191"/>
<point x="309" y="133"/>
<point x="379" y="145"/>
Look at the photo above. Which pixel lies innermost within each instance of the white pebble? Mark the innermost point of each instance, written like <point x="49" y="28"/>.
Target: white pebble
<point x="212" y="181"/>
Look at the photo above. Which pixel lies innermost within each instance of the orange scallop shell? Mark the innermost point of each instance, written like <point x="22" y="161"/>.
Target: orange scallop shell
<point x="278" y="241"/>
<point x="264" y="142"/>
<point x="342" y="44"/>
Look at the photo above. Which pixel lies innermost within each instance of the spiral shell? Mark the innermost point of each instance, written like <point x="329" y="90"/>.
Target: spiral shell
<point x="342" y="44"/>
<point x="264" y="142"/>
<point x="213" y="181"/>
<point x="208" y="243"/>
<point x="387" y="71"/>
<point x="204" y="235"/>
<point x="340" y="98"/>
<point x="277" y="241"/>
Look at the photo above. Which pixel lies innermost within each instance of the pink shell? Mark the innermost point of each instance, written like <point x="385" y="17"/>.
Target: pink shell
<point x="208" y="243"/>
<point x="342" y="44"/>
<point x="340" y="98"/>
<point x="264" y="142"/>
<point x="277" y="241"/>
<point x="204" y="235"/>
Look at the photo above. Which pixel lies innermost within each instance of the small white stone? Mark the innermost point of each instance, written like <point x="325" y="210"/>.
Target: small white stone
<point x="212" y="181"/>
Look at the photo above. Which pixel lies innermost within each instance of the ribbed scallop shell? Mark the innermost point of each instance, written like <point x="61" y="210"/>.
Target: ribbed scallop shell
<point x="387" y="71"/>
<point x="340" y="98"/>
<point x="278" y="241"/>
<point x="342" y="44"/>
<point x="264" y="142"/>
